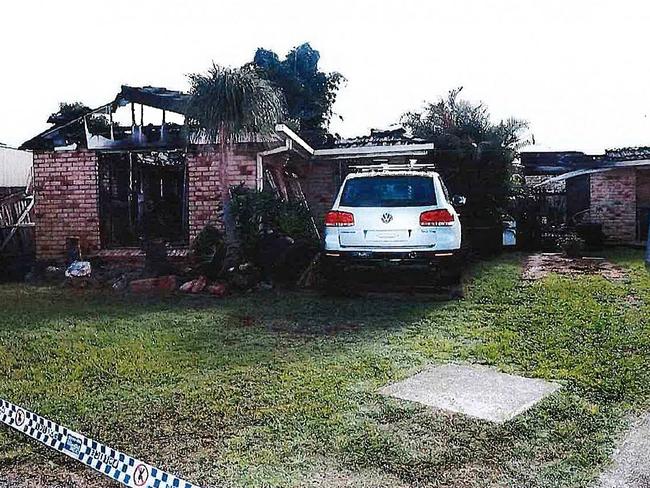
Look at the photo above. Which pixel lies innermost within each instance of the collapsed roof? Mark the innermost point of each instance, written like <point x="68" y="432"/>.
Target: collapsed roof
<point x="96" y="129"/>
<point x="160" y="98"/>
<point x="63" y="133"/>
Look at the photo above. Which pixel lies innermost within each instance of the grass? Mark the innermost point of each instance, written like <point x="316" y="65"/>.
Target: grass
<point x="279" y="389"/>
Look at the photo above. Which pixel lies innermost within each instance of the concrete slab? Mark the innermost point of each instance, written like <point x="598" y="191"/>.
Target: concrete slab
<point x="477" y="391"/>
<point x="631" y="467"/>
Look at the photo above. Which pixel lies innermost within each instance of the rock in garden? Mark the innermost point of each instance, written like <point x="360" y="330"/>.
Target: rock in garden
<point x="152" y="285"/>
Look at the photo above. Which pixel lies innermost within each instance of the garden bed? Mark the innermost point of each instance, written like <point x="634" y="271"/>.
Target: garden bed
<point x="538" y="266"/>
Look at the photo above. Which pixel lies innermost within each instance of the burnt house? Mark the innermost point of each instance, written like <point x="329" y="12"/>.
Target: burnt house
<point x="610" y="189"/>
<point x="124" y="173"/>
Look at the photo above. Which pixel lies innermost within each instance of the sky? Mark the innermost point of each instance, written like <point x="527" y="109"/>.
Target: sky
<point x="577" y="71"/>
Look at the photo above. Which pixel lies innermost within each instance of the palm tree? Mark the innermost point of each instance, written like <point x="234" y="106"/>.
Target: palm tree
<point x="228" y="106"/>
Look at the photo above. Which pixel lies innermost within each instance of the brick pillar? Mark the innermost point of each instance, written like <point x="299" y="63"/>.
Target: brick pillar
<point x="204" y="189"/>
<point x="66" y="202"/>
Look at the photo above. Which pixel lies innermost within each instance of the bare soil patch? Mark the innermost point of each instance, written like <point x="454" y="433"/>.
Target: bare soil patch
<point x="538" y="266"/>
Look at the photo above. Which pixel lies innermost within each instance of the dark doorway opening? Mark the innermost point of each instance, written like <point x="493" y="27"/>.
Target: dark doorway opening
<point x="642" y="204"/>
<point x="578" y="198"/>
<point x="142" y="196"/>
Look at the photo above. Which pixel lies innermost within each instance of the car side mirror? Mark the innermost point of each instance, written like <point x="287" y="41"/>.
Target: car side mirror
<point x="458" y="200"/>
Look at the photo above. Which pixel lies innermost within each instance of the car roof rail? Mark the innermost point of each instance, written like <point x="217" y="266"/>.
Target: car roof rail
<point x="388" y="167"/>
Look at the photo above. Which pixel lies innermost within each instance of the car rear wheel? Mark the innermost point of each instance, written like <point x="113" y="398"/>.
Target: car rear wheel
<point x="450" y="271"/>
<point x="333" y="275"/>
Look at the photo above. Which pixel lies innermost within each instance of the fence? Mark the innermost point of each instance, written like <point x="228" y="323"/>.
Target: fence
<point x="16" y="232"/>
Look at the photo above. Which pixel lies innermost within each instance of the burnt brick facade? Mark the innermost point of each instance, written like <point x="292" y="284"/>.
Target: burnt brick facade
<point x="66" y="192"/>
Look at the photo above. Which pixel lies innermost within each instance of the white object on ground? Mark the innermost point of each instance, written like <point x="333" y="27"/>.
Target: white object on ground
<point x="631" y="468"/>
<point x="78" y="269"/>
<point x="477" y="391"/>
<point x="509" y="237"/>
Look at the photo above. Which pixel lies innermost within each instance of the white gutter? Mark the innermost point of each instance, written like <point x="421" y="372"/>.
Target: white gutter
<point x="374" y="151"/>
<point x="289" y="134"/>
<point x="288" y="146"/>
<point x="380" y="156"/>
<point x="292" y="141"/>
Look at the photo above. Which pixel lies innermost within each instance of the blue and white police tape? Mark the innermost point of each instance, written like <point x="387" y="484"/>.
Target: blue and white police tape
<point x="110" y="462"/>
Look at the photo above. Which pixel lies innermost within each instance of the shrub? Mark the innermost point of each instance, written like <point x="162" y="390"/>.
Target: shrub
<point x="210" y="249"/>
<point x="256" y="213"/>
<point x="278" y="236"/>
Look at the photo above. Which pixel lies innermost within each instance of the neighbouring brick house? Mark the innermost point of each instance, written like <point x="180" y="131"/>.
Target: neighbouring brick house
<point x="125" y="182"/>
<point x="612" y="189"/>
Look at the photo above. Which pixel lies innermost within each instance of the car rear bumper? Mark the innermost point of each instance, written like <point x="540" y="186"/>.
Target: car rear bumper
<point x="387" y="258"/>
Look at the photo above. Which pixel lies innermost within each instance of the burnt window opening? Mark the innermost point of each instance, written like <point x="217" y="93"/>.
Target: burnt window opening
<point x="142" y="196"/>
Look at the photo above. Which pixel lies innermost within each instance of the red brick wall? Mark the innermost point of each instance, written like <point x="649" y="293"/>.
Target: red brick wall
<point x="613" y="202"/>
<point x="65" y="189"/>
<point x="320" y="184"/>
<point x="204" y="200"/>
<point x="67" y="196"/>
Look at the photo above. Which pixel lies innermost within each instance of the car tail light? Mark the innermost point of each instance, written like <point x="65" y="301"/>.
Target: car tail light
<point x="336" y="218"/>
<point x="436" y="218"/>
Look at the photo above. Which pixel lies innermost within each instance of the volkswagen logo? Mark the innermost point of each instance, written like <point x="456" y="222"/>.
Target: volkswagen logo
<point x="386" y="218"/>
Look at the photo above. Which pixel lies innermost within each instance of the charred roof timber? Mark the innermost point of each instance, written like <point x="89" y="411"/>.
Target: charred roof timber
<point x="160" y="98"/>
<point x="102" y="132"/>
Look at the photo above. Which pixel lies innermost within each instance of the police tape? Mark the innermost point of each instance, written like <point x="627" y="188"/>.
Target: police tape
<point x="110" y="462"/>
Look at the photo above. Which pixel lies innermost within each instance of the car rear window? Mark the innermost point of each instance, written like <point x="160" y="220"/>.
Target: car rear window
<point x="388" y="191"/>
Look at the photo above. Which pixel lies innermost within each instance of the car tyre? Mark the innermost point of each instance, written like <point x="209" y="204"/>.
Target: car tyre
<point x="333" y="274"/>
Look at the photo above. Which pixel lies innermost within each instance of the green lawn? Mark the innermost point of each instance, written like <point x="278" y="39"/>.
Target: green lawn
<point x="279" y="389"/>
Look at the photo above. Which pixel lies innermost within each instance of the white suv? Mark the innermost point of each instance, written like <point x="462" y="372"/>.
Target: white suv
<point x="392" y="214"/>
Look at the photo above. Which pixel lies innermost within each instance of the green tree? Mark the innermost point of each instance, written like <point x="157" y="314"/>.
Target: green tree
<point x="68" y="111"/>
<point x="310" y="93"/>
<point x="227" y="106"/>
<point x="455" y="123"/>
<point x="474" y="154"/>
<point x="75" y="133"/>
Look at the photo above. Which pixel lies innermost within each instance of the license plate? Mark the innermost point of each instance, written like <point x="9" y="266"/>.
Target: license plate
<point x="387" y="235"/>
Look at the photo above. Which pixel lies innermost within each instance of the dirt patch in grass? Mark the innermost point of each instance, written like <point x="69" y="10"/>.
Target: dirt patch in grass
<point x="314" y="328"/>
<point x="537" y="266"/>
